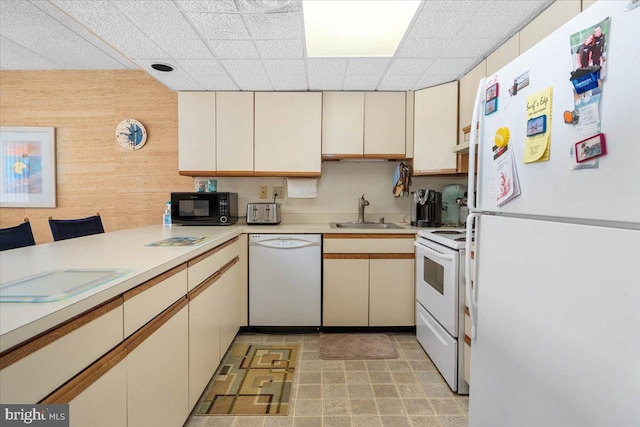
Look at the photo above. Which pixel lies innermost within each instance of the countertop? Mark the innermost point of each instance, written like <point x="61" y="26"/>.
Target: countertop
<point x="123" y="249"/>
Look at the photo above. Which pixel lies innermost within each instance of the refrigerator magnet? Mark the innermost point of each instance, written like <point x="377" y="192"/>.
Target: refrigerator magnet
<point x="571" y="117"/>
<point x="589" y="148"/>
<point x="492" y="92"/>
<point x="537" y="125"/>
<point x="491" y="106"/>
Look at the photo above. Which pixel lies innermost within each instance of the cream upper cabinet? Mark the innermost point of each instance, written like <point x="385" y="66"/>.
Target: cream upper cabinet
<point x="468" y="89"/>
<point x="288" y="131"/>
<point x="196" y="132"/>
<point x="342" y="124"/>
<point x="384" y="124"/>
<point x="234" y="133"/>
<point x="435" y="129"/>
<point x="503" y="55"/>
<point x="548" y="21"/>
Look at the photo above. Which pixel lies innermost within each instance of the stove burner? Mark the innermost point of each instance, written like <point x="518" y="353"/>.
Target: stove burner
<point x="447" y="232"/>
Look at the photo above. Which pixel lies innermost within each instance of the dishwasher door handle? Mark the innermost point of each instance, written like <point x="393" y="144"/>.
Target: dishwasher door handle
<point x="284" y="243"/>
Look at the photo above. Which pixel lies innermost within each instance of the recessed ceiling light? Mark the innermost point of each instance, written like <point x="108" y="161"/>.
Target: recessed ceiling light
<point x="162" y="67"/>
<point x="360" y="28"/>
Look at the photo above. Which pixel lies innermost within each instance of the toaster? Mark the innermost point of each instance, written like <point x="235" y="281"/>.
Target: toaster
<point x="263" y="213"/>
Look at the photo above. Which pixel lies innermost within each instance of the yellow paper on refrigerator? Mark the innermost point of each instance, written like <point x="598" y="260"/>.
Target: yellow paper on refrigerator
<point x="538" y="138"/>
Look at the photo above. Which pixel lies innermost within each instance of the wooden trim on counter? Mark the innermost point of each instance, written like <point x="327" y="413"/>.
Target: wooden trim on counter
<point x="368" y="236"/>
<point x="147" y="330"/>
<point x="234" y="173"/>
<point x="435" y="172"/>
<point x="392" y="256"/>
<point x="345" y="256"/>
<point x="71" y="389"/>
<point x="386" y="156"/>
<point x="467" y="340"/>
<point x="152" y="282"/>
<point x="12" y="355"/>
<point x="207" y="254"/>
<point x="291" y="174"/>
<point x="198" y="173"/>
<point x="211" y="279"/>
<point x="342" y="156"/>
<point x="367" y="256"/>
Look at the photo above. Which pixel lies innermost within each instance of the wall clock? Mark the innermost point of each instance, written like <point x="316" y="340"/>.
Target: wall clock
<point x="131" y="134"/>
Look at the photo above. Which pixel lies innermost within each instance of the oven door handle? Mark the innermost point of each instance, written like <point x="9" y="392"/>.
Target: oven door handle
<point x="431" y="252"/>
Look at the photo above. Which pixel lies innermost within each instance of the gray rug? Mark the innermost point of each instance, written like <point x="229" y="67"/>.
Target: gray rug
<point x="356" y="347"/>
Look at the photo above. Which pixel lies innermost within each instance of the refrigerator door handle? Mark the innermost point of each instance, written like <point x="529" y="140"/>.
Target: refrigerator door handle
<point x="475" y="118"/>
<point x="472" y="293"/>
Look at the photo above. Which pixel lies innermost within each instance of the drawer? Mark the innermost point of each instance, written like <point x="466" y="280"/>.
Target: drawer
<point x="439" y="345"/>
<point x="336" y="244"/>
<point x="205" y="265"/>
<point x="146" y="301"/>
<point x="65" y="351"/>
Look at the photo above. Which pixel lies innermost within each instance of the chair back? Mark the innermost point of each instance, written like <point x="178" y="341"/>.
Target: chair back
<point x="63" y="229"/>
<point x="17" y="236"/>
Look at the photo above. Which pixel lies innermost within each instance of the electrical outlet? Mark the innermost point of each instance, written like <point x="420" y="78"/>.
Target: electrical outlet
<point x="263" y="192"/>
<point x="278" y="192"/>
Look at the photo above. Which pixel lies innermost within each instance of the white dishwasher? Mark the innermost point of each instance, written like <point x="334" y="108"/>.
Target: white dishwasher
<point x="285" y="279"/>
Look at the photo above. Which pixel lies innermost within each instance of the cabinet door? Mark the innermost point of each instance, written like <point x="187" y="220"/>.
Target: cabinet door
<point x="204" y="339"/>
<point x="384" y="125"/>
<point x="468" y="89"/>
<point x="391" y="291"/>
<point x="345" y="291"/>
<point x="196" y="132"/>
<point x="435" y="129"/>
<point x="342" y="124"/>
<point x="103" y="403"/>
<point x="158" y="376"/>
<point x="234" y="142"/>
<point x="230" y="307"/>
<point x="288" y="129"/>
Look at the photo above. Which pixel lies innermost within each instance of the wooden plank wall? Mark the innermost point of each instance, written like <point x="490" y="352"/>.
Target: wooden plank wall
<point x="94" y="174"/>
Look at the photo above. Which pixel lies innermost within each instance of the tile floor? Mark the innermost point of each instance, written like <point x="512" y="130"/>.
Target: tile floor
<point x="407" y="391"/>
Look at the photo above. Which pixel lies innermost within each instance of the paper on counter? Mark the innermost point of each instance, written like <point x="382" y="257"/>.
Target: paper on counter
<point x="302" y="188"/>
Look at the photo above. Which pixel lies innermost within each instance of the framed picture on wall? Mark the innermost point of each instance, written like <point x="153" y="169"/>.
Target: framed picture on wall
<point x="28" y="168"/>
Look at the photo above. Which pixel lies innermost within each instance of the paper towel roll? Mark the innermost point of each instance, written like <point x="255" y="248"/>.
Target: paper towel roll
<point x="302" y="188"/>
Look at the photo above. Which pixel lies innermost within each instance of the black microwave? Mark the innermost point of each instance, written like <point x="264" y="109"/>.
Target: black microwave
<point x="204" y="208"/>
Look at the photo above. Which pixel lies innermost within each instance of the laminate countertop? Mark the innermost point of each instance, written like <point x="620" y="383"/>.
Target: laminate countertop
<point x="124" y="249"/>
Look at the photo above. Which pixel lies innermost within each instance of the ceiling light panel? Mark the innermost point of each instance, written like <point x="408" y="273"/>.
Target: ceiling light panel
<point x="359" y="28"/>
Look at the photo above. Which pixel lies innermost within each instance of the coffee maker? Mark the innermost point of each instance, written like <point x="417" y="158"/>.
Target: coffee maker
<point x="426" y="208"/>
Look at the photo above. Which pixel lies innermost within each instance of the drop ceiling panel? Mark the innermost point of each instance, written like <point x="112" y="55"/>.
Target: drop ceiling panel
<point x="233" y="49"/>
<point x="232" y="45"/>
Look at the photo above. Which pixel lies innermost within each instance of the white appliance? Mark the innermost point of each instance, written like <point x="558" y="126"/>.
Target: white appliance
<point x="556" y="296"/>
<point x="285" y="279"/>
<point x="440" y="301"/>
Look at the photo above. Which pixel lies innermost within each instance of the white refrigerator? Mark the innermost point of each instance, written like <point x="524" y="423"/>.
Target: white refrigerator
<point x="555" y="303"/>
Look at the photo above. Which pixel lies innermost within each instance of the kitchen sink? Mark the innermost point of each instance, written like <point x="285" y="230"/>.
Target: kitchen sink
<point x="364" y="225"/>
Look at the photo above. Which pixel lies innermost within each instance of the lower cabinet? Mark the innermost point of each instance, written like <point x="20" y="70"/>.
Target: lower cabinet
<point x="158" y="374"/>
<point x="368" y="281"/>
<point x="103" y="403"/>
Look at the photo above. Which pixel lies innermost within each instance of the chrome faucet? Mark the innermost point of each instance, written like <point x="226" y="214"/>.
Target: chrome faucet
<point x="362" y="203"/>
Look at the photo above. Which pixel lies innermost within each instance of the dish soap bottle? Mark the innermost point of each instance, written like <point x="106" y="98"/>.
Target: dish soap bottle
<point x="166" y="219"/>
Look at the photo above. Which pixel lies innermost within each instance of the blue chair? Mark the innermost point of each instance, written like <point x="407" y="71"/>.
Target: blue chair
<point x="18" y="236"/>
<point x="63" y="229"/>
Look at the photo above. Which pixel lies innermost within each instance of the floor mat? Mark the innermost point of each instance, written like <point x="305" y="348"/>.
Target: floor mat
<point x="252" y="380"/>
<point x="356" y="346"/>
